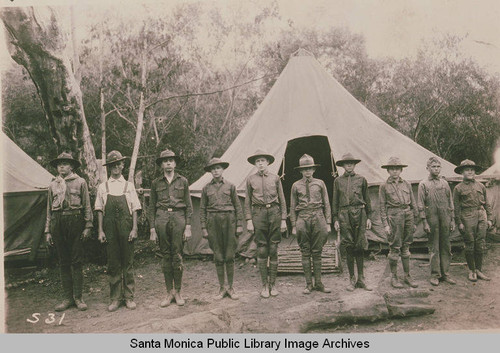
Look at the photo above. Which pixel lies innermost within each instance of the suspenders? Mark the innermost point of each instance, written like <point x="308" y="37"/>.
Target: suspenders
<point x="124" y="189"/>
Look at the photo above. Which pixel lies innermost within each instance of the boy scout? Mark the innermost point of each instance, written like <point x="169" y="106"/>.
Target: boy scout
<point x="473" y="216"/>
<point x="398" y="211"/>
<point x="352" y="210"/>
<point x="69" y="220"/>
<point x="221" y="219"/>
<point x="435" y="206"/>
<point x="310" y="216"/>
<point x="117" y="205"/>
<point x="169" y="214"/>
<point x="265" y="212"/>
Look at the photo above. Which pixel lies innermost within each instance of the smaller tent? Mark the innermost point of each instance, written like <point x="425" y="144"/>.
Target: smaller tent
<point x="25" y="185"/>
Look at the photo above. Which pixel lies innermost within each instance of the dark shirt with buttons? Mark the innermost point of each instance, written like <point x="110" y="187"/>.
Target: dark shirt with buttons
<point x="350" y="189"/>
<point x="220" y="196"/>
<point x="396" y="193"/>
<point x="470" y="194"/>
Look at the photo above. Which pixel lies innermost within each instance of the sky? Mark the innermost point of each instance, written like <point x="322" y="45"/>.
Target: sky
<point x="392" y="28"/>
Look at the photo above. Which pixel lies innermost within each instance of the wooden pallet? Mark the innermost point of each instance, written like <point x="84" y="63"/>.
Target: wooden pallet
<point x="290" y="260"/>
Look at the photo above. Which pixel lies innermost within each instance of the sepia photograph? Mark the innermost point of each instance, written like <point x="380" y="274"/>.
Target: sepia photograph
<point x="250" y="167"/>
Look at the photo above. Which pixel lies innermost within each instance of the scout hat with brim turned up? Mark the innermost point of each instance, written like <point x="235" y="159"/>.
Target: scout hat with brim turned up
<point x="306" y="161"/>
<point x="65" y="157"/>
<point x="165" y="155"/>
<point x="347" y="158"/>
<point x="468" y="164"/>
<point x="214" y="162"/>
<point x="394" y="162"/>
<point x="260" y="153"/>
<point x="114" y="157"/>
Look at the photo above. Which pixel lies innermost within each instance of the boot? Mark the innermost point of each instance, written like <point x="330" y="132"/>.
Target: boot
<point x="264" y="293"/>
<point x="65" y="304"/>
<point x="178" y="279"/>
<point x="219" y="267"/>
<point x="168" y="300"/>
<point x="273" y="272"/>
<point x="469" y="258"/>
<point x="115" y="304"/>
<point x="350" y="268"/>
<point x="478" y="257"/>
<point x="222" y="293"/>
<point x="472" y="276"/>
<point x="77" y="287"/>
<point x="67" y="284"/>
<point x="262" y="263"/>
<point x="361" y="278"/>
<point x="178" y="298"/>
<point x="318" y="285"/>
<point x="394" y="271"/>
<point x="406" y="267"/>
<point x="306" y="266"/>
<point x="230" y="273"/>
<point x="168" y="274"/>
<point x="352" y="284"/>
<point x="232" y="294"/>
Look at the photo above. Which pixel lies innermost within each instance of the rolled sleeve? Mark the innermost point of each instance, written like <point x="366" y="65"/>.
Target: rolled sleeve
<point x="99" y="199"/>
<point x="421" y="200"/>
<point x="86" y="205"/>
<point x="187" y="201"/>
<point x="134" y="199"/>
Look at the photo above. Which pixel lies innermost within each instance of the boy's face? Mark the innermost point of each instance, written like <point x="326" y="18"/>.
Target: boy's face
<point x="116" y="168"/>
<point x="434" y="169"/>
<point x="261" y="163"/>
<point x="307" y="172"/>
<point x="168" y="164"/>
<point x="216" y="171"/>
<point x="64" y="168"/>
<point x="394" y="172"/>
<point x="469" y="173"/>
<point x="349" y="167"/>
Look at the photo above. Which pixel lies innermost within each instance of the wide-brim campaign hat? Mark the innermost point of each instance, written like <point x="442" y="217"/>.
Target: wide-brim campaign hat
<point x="65" y="157"/>
<point x="114" y="157"/>
<point x="306" y="161"/>
<point x="165" y="155"/>
<point x="394" y="162"/>
<point x="347" y="158"/>
<point x="260" y="153"/>
<point x="468" y="164"/>
<point x="214" y="162"/>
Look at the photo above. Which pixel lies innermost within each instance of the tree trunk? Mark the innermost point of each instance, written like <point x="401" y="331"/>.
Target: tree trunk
<point x="40" y="44"/>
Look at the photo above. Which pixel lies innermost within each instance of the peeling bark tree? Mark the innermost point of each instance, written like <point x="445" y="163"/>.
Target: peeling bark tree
<point x="39" y="42"/>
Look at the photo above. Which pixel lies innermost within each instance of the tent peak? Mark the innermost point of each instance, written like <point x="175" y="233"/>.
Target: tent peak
<point x="301" y="52"/>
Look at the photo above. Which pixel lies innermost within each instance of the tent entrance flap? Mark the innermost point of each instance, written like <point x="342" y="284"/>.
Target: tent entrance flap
<point x="316" y="146"/>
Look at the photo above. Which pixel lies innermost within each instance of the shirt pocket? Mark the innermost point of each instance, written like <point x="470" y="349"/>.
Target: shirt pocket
<point x="179" y="191"/>
<point x="161" y="191"/>
<point x="406" y="195"/>
<point x="226" y="197"/>
<point x="75" y="197"/>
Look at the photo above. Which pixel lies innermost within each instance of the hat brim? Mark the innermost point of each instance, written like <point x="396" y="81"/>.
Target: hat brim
<point x="224" y="165"/>
<point x="252" y="159"/>
<point x="113" y="162"/>
<point x="341" y="162"/>
<point x="387" y="166"/>
<point x="307" y="166"/>
<point x="460" y="168"/>
<point x="73" y="162"/>
<point x="161" y="159"/>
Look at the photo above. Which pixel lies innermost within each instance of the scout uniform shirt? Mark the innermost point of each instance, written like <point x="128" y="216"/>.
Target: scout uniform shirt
<point x="469" y="195"/>
<point x="220" y="196"/>
<point x="309" y="194"/>
<point x="264" y="189"/>
<point x="396" y="193"/>
<point x="69" y="194"/>
<point x="117" y="187"/>
<point x="350" y="189"/>
<point x="174" y="195"/>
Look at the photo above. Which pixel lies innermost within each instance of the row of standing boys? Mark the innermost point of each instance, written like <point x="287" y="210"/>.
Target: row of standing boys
<point x="69" y="220"/>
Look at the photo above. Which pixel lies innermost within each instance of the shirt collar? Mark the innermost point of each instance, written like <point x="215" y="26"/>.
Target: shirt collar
<point x="394" y="180"/>
<point x="306" y="179"/>
<point x="121" y="179"/>
<point x="347" y="174"/>
<point x="173" y="178"/>
<point x="221" y="180"/>
<point x="469" y="181"/>
<point x="434" y="178"/>
<point x="263" y="173"/>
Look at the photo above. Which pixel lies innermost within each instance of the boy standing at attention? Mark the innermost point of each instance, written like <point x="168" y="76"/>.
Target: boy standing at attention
<point x="310" y="216"/>
<point x="69" y="220"/>
<point x="398" y="211"/>
<point x="473" y="216"/>
<point x="221" y="218"/>
<point x="435" y="206"/>
<point x="351" y="210"/>
<point x="265" y="212"/>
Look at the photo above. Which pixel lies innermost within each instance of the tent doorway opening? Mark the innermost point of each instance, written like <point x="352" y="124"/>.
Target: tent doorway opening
<point x="319" y="148"/>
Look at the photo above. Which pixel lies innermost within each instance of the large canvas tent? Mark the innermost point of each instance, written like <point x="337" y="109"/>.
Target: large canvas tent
<point x="25" y="185"/>
<point x="308" y="111"/>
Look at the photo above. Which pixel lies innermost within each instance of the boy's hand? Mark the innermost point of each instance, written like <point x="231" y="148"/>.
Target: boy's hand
<point x="204" y="233"/>
<point x="283" y="226"/>
<point x="368" y="224"/>
<point x="452" y="225"/>
<point x="239" y="230"/>
<point x="250" y="227"/>
<point x="153" y="235"/>
<point x="85" y="234"/>
<point x="387" y="229"/>
<point x="427" y="227"/>
<point x="490" y="224"/>
<point x="132" y="235"/>
<point x="48" y="239"/>
<point x="328" y="228"/>
<point x="101" y="236"/>
<point x="294" y="230"/>
<point x="187" y="233"/>
<point x="461" y="227"/>
<point x="336" y="226"/>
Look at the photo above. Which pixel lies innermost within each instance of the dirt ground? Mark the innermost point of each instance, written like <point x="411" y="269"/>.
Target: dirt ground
<point x="464" y="306"/>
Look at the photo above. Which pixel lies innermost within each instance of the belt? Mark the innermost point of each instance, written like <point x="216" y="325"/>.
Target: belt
<point x="69" y="212"/>
<point x="220" y="211"/>
<point x="350" y="207"/>
<point x="473" y="208"/>
<point x="401" y="207"/>
<point x="171" y="209"/>
<point x="267" y="205"/>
